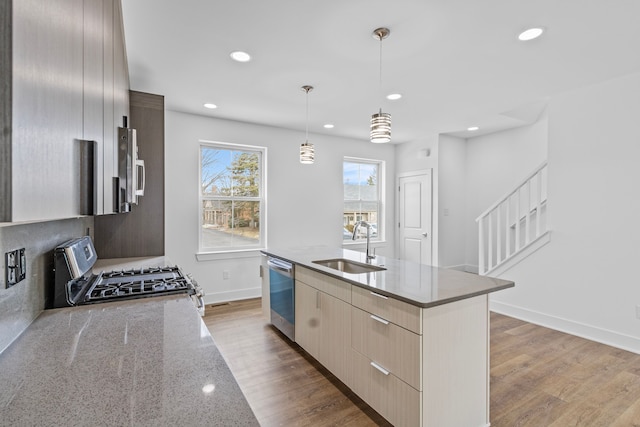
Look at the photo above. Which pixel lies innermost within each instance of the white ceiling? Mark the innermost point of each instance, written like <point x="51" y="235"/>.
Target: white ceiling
<point x="458" y="63"/>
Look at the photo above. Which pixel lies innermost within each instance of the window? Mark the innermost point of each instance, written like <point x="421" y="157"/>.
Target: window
<point x="231" y="197"/>
<point x="362" y="196"/>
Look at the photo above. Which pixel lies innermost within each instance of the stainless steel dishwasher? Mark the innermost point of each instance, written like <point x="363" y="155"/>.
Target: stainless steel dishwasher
<point x="282" y="296"/>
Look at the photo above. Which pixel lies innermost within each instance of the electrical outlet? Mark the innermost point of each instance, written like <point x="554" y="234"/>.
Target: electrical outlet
<point x="225" y="274"/>
<point x="15" y="267"/>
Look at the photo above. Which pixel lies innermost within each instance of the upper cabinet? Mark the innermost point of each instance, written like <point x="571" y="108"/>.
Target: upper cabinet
<point x="65" y="92"/>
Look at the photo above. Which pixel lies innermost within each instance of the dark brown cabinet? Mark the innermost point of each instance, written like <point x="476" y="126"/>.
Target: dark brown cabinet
<point x="140" y="233"/>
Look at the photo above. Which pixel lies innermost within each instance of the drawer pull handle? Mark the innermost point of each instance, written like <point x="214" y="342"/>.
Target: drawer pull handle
<point x="379" y="319"/>
<point x="379" y="296"/>
<point x="379" y="368"/>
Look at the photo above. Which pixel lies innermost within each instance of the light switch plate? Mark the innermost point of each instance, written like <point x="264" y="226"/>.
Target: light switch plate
<point x="15" y="267"/>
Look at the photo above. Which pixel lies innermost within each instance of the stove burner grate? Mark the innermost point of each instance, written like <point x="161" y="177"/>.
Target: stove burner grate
<point x="138" y="283"/>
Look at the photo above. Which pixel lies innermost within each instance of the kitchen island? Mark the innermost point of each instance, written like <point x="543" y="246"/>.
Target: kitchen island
<point x="410" y="339"/>
<point x="144" y="362"/>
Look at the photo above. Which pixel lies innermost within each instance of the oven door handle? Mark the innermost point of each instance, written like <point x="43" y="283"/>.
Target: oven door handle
<point x="200" y="306"/>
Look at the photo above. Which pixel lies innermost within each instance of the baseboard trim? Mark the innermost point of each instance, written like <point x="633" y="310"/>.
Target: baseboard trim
<point x="603" y="336"/>
<point x="235" y="295"/>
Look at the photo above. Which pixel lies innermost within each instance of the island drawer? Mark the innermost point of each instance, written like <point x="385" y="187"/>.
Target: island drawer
<point x="392" y="398"/>
<point x="399" y="312"/>
<point x="322" y="282"/>
<point x="389" y="345"/>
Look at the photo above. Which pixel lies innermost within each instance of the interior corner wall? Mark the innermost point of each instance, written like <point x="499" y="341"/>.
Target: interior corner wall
<point x="497" y="162"/>
<point x="584" y="280"/>
<point x="304" y="202"/>
<point x="452" y="173"/>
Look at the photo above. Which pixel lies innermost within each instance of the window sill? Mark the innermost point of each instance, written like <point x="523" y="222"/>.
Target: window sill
<point x="215" y="256"/>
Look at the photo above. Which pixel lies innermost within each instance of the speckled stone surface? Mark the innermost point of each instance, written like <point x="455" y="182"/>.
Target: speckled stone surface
<point x="144" y="362"/>
<point x="417" y="284"/>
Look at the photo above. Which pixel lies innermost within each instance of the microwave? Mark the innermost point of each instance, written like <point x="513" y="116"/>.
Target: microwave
<point x="130" y="182"/>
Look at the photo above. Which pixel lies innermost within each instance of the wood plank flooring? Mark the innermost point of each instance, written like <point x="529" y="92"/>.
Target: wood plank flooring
<point x="539" y="377"/>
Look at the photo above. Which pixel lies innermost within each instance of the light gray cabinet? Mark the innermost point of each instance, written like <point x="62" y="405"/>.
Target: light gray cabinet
<point x="323" y="320"/>
<point x="64" y="80"/>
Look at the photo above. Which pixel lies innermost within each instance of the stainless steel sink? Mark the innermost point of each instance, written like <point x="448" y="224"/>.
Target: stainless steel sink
<point x="348" y="266"/>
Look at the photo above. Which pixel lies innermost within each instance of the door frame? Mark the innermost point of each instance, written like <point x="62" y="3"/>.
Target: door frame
<point x="434" y="221"/>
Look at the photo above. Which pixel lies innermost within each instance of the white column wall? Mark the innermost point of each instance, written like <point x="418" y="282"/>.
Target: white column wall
<point x="304" y="205"/>
<point x="452" y="175"/>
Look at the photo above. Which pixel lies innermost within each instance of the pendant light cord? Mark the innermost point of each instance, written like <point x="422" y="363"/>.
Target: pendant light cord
<point x="380" y="82"/>
<point x="307" y="119"/>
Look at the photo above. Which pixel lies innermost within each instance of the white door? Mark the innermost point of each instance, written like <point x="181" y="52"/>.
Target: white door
<point x="414" y="217"/>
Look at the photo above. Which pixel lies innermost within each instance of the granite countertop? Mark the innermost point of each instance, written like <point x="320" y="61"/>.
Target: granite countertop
<point x="417" y="284"/>
<point x="144" y="362"/>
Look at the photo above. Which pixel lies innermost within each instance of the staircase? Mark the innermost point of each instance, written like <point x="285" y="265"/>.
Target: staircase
<point x="514" y="226"/>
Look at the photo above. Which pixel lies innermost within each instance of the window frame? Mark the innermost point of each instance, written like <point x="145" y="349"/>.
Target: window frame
<point x="381" y="229"/>
<point x="261" y="199"/>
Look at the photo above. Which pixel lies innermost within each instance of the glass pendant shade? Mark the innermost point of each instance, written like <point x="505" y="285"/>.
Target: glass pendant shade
<point x="307" y="153"/>
<point x="381" y="127"/>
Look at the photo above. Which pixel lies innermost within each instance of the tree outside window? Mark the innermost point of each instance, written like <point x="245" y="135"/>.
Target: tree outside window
<point x="232" y="197"/>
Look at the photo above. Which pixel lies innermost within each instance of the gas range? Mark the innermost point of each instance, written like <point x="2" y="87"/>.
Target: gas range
<point x="76" y="285"/>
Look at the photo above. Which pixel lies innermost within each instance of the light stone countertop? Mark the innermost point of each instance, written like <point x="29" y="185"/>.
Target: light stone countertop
<point x="417" y="284"/>
<point x="143" y="362"/>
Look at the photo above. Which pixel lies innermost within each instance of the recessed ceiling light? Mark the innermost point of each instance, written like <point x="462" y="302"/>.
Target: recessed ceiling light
<point x="240" y="56"/>
<point x="394" y="96"/>
<point x="210" y="105"/>
<point x="328" y="126"/>
<point x="473" y="128"/>
<point x="531" y="33"/>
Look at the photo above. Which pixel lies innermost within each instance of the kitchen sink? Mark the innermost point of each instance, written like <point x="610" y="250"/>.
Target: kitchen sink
<point x="348" y="266"/>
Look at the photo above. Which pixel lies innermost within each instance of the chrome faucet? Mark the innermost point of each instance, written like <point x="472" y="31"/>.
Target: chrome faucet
<point x="355" y="229"/>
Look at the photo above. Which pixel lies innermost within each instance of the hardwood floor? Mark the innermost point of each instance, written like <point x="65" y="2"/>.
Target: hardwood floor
<point x="539" y="377"/>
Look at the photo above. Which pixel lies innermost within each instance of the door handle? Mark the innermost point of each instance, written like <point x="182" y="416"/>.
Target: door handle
<point x="425" y="234"/>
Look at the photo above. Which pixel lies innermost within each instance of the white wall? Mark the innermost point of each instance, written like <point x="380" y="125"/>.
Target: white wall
<point x="495" y="164"/>
<point x="452" y="178"/>
<point x="420" y="156"/>
<point x="585" y="280"/>
<point x="304" y="205"/>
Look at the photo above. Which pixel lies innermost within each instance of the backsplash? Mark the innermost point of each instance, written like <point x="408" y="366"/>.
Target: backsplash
<point x="22" y="303"/>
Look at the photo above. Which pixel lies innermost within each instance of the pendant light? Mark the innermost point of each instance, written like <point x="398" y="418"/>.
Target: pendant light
<point x="381" y="122"/>
<point x="306" y="150"/>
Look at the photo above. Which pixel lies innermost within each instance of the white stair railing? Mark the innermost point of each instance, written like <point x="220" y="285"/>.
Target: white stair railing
<point x="514" y="222"/>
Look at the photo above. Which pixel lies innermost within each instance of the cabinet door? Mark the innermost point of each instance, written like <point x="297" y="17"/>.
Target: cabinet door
<point x="392" y="398"/>
<point x="93" y="90"/>
<point x="396" y="349"/>
<point x="109" y="159"/>
<point x="47" y="108"/>
<point x="120" y="68"/>
<point x="335" y="337"/>
<point x="308" y="323"/>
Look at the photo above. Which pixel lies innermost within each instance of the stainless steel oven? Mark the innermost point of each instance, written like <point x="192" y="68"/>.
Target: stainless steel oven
<point x="75" y="284"/>
<point x="282" y="296"/>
